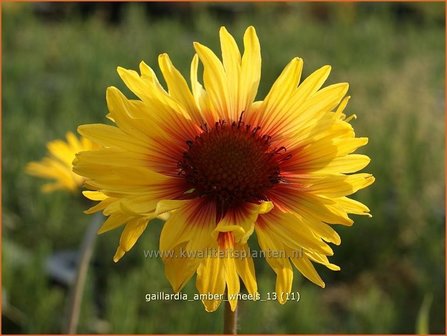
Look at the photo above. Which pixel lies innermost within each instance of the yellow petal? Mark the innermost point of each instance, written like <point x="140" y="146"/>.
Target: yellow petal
<point x="308" y="205"/>
<point x="215" y="81"/>
<point x="94" y="195"/>
<point x="211" y="282"/>
<point x="342" y="106"/>
<point x="200" y="95"/>
<point x="308" y="270"/>
<point x="151" y="121"/>
<point x="250" y="70"/>
<point x="148" y="74"/>
<point x="322" y="259"/>
<point x="290" y="231"/>
<point x="274" y="249"/>
<point x="232" y="281"/>
<point x="245" y="268"/>
<point x="265" y="207"/>
<point x="178" y="88"/>
<point x="151" y="93"/>
<point x="276" y="256"/>
<point x="179" y="269"/>
<point x="346" y="164"/>
<point x="132" y="117"/>
<point x="192" y="223"/>
<point x="100" y="206"/>
<point x="110" y="136"/>
<point x="339" y="185"/>
<point x="169" y="205"/>
<point x="284" y="280"/>
<point x="301" y="112"/>
<point x="353" y="206"/>
<point x="114" y="221"/>
<point x="273" y="105"/>
<point x="312" y="83"/>
<point x="241" y="220"/>
<point x="118" y="254"/>
<point x="324" y="231"/>
<point x="231" y="59"/>
<point x="130" y="235"/>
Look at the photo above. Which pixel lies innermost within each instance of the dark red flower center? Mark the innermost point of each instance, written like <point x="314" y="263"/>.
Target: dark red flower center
<point x="231" y="164"/>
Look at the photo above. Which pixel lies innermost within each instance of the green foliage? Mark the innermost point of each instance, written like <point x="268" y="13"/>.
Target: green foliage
<point x="54" y="78"/>
<point x="423" y="315"/>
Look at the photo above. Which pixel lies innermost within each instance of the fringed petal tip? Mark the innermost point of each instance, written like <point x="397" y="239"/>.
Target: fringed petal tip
<point x="118" y="254"/>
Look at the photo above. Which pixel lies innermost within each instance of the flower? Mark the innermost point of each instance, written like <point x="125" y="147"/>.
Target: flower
<point x="58" y="164"/>
<point x="221" y="166"/>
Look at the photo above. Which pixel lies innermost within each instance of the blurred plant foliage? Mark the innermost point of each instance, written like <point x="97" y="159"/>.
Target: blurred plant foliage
<point x="56" y="68"/>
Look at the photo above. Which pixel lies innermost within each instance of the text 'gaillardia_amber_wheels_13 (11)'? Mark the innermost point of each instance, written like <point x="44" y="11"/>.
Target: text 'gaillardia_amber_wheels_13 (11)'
<point x="221" y="167"/>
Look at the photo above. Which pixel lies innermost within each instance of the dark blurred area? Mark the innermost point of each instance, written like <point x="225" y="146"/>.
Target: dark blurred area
<point x="113" y="13"/>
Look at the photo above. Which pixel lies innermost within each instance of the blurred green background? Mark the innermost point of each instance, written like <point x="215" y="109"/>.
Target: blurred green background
<point x="58" y="60"/>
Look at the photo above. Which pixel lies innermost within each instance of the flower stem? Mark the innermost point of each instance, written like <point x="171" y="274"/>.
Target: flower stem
<point x="77" y="289"/>
<point x="230" y="319"/>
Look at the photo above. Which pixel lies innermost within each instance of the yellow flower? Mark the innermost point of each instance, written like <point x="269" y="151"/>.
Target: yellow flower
<point x="221" y="166"/>
<point x="57" y="165"/>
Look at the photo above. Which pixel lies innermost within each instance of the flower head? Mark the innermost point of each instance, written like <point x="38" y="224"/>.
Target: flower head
<point x="221" y="166"/>
<point x="57" y="165"/>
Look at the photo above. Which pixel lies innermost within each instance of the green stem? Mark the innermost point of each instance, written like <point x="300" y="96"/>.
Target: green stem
<point x="230" y="319"/>
<point x="77" y="289"/>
